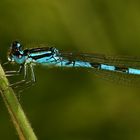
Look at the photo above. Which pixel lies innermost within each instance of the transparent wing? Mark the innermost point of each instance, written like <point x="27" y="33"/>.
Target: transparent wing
<point x="121" y="61"/>
<point x="118" y="78"/>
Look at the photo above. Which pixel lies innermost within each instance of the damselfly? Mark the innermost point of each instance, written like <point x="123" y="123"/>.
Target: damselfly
<point x="50" y="56"/>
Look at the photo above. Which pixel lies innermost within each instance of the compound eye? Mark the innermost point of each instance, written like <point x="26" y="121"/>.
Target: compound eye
<point x="16" y="46"/>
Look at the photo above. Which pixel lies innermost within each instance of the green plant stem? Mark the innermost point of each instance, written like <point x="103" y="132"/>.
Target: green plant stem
<point x="15" y="110"/>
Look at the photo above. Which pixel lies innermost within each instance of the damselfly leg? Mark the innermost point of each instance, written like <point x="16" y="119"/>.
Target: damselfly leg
<point x="14" y="73"/>
<point x="27" y="80"/>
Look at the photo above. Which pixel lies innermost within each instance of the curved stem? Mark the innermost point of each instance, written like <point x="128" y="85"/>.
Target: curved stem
<point x="15" y="110"/>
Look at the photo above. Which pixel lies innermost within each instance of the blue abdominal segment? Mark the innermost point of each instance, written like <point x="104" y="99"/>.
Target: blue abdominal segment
<point x="67" y="63"/>
<point x="134" y="71"/>
<point x="107" y="67"/>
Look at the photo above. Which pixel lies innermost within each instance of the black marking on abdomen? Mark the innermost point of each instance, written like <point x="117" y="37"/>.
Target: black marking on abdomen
<point x="70" y="62"/>
<point x="121" y="69"/>
<point x="96" y="65"/>
<point x="117" y="69"/>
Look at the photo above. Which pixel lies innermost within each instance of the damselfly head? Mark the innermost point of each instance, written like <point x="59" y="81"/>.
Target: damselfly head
<point x="15" y="49"/>
<point x="16" y="46"/>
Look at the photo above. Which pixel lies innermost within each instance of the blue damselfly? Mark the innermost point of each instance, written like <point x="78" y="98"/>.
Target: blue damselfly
<point x="50" y="56"/>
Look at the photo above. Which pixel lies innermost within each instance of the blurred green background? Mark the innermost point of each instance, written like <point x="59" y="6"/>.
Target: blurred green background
<point x="72" y="104"/>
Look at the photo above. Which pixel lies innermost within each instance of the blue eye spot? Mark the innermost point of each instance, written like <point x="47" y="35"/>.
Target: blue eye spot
<point x="18" y="45"/>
